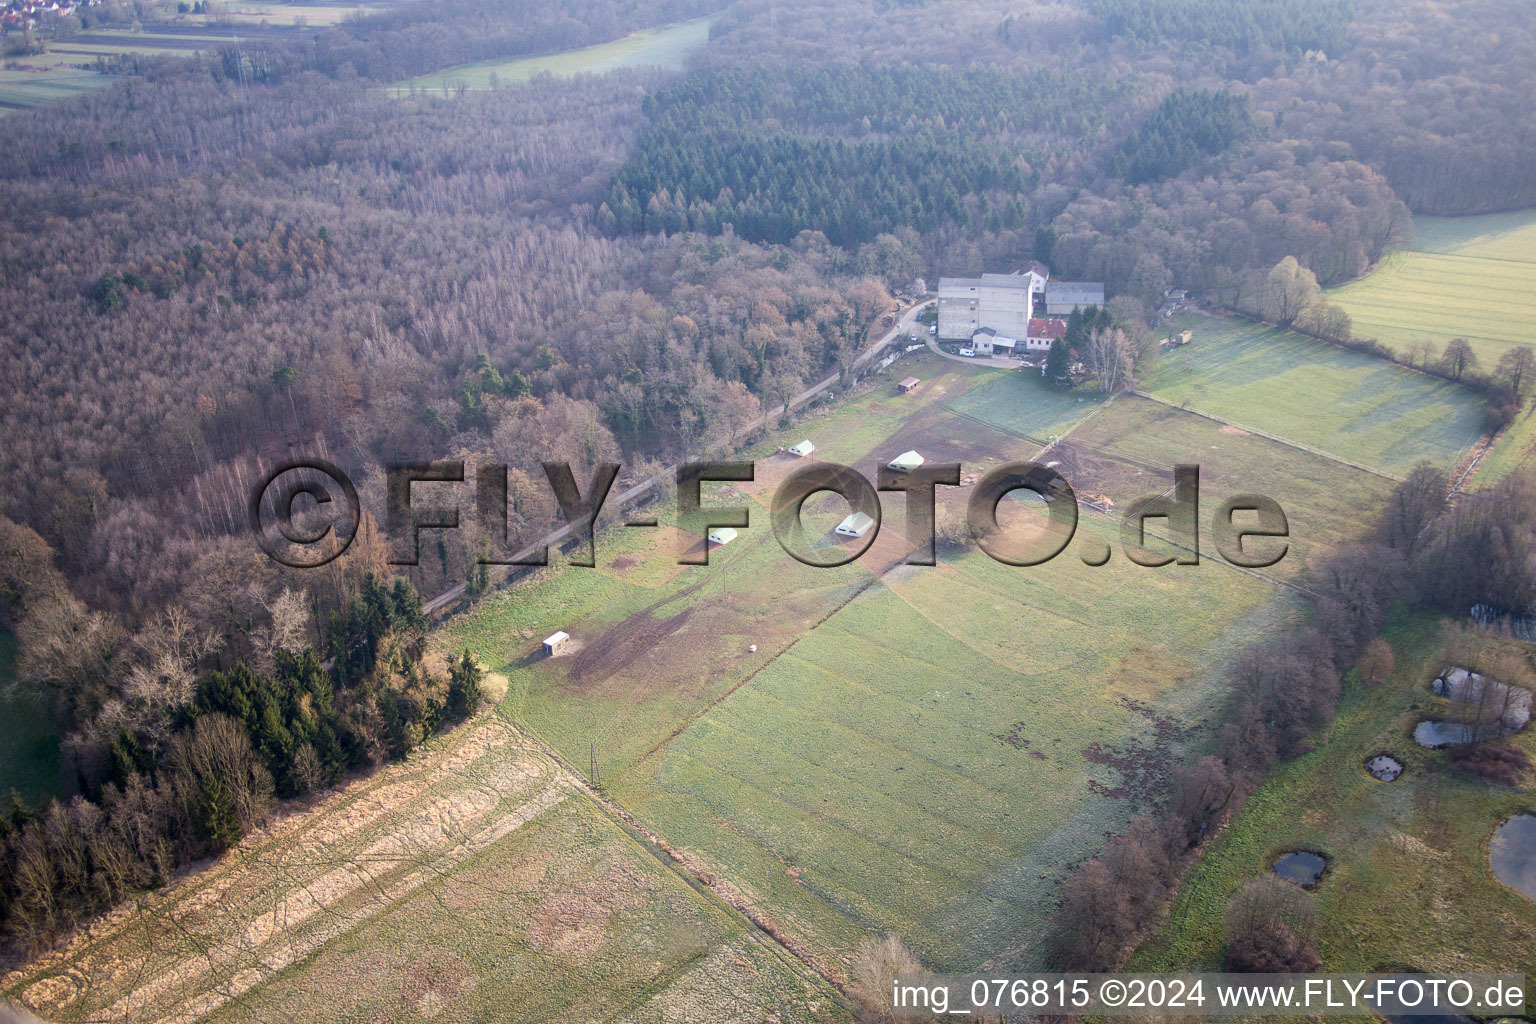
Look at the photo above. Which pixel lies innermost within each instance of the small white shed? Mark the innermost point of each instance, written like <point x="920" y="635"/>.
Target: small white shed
<point x="555" y="643"/>
<point x="722" y="535"/>
<point x="906" y="462"/>
<point x="856" y="525"/>
<point x="802" y="449"/>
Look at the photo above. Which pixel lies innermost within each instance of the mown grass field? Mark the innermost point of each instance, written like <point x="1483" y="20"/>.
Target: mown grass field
<point x="1126" y="450"/>
<point x="20" y="90"/>
<point x="1462" y="277"/>
<point x="1516" y="449"/>
<point x="68" y="67"/>
<point x="1408" y="881"/>
<point x="667" y="47"/>
<point x="476" y="881"/>
<point x="1353" y="406"/>
<point x="912" y="749"/>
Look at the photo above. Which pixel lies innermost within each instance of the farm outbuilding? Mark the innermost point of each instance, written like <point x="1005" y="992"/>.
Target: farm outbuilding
<point x="907" y="385"/>
<point x="723" y="535"/>
<point x="906" y="462"/>
<point x="555" y="643"/>
<point x="802" y="449"/>
<point x="856" y="525"/>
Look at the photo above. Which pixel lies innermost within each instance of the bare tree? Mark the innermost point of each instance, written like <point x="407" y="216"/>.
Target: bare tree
<point x="1377" y="662"/>
<point x="1458" y="358"/>
<point x="1110" y="360"/>
<point x="1515" y="368"/>
<point x="874" y="965"/>
<point x="1421" y="353"/>
<point x="1271" y="926"/>
<point x="1289" y="288"/>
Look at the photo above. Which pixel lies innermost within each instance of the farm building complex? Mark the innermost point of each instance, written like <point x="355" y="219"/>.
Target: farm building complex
<point x="1010" y="313"/>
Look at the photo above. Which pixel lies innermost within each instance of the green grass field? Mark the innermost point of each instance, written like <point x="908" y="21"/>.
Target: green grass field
<point x="920" y="750"/>
<point x="1463" y="277"/>
<point x="1408" y="880"/>
<point x="667" y="47"/>
<point x="475" y="881"/>
<point x="23" y="89"/>
<point x="1515" y="450"/>
<point x="1126" y="451"/>
<point x="1353" y="406"/>
<point x="911" y="749"/>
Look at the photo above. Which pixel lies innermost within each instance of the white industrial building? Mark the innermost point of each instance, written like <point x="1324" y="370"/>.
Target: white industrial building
<point x="1004" y="304"/>
<point x="1000" y="301"/>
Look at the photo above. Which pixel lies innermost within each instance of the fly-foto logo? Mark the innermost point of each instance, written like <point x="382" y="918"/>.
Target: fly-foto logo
<point x="305" y="514"/>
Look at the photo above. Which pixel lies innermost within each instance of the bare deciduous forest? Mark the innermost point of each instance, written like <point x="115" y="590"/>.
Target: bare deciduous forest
<point x="219" y="262"/>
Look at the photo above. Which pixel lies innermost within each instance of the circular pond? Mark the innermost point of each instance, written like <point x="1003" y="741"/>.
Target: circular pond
<point x="1512" y="854"/>
<point x="1302" y="867"/>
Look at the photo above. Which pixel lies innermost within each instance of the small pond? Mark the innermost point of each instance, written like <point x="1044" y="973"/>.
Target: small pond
<point x="1442" y="734"/>
<point x="1498" y="704"/>
<point x="1384" y="767"/>
<point x="1512" y="854"/>
<point x="1302" y="867"/>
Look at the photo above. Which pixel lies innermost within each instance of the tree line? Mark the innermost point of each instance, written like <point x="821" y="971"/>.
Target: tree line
<point x="1425" y="552"/>
<point x="182" y="758"/>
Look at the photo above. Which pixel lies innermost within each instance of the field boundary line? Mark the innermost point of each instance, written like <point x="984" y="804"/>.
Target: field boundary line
<point x="1272" y="437"/>
<point x="697" y="876"/>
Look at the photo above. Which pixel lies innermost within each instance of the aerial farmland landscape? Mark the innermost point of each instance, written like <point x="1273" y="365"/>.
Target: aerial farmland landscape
<point x="767" y="510"/>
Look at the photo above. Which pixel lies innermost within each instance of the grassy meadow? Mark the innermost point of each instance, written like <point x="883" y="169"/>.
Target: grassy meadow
<point x="911" y="749"/>
<point x="1461" y="277"/>
<point x="1350" y="405"/>
<point x="667" y="47"/>
<point x="475" y="881"/>
<point x="45" y="81"/>
<point x="1406" y="859"/>
<point x="920" y="750"/>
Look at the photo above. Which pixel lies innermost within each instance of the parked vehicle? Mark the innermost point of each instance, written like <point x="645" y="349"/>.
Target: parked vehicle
<point x="968" y="352"/>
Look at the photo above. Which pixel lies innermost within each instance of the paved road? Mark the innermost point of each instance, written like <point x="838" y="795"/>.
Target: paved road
<point x="1001" y="362"/>
<point x="905" y="325"/>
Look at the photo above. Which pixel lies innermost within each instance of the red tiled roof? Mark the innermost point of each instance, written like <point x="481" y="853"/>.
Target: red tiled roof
<point x="1051" y="327"/>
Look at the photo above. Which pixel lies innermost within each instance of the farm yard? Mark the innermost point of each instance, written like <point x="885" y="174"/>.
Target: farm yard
<point x="667" y="47"/>
<point x="1403" y="856"/>
<point x="1462" y="277"/>
<point x="1348" y="404"/>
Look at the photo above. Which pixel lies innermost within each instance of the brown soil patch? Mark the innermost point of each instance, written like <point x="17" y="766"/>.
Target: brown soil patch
<point x="631" y="639"/>
<point x="623" y="563"/>
<point x="1227" y="428"/>
<point x="433" y="982"/>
